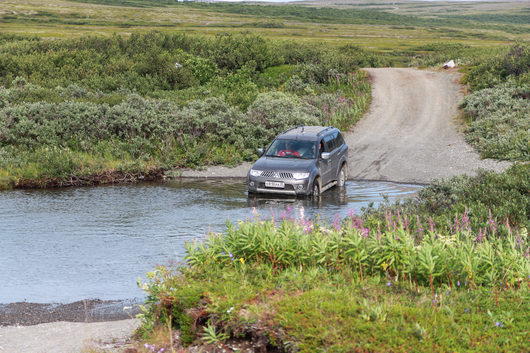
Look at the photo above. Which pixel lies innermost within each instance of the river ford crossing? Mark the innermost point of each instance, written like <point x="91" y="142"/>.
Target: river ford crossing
<point x="64" y="245"/>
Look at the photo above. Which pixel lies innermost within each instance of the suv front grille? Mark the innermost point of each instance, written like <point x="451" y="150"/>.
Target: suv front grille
<point x="277" y="175"/>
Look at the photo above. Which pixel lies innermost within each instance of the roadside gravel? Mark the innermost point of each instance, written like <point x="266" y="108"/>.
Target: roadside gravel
<point x="67" y="337"/>
<point x="67" y="328"/>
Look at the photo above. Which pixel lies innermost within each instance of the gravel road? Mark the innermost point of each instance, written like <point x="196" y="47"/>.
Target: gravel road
<point x="410" y="134"/>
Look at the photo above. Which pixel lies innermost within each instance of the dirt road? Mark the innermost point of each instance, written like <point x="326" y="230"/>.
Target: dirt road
<point x="410" y="133"/>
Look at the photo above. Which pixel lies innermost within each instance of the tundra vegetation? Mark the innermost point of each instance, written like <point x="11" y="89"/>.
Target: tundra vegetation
<point x="94" y="109"/>
<point x="184" y="84"/>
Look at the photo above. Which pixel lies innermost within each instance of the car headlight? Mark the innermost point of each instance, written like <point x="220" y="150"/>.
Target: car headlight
<point x="300" y="175"/>
<point x="255" y="172"/>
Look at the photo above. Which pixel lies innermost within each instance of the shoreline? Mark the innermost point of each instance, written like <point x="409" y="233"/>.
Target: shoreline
<point x="88" y="310"/>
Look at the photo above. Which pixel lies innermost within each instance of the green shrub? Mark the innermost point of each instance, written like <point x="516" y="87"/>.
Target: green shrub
<point x="232" y="52"/>
<point x="512" y="62"/>
<point x="274" y="112"/>
<point x="482" y="202"/>
<point x="500" y="122"/>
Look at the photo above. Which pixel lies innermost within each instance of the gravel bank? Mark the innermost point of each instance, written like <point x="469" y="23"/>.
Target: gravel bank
<point x="66" y="328"/>
<point x="67" y="337"/>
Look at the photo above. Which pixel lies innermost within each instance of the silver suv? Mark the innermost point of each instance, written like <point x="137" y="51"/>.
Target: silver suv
<point x="304" y="160"/>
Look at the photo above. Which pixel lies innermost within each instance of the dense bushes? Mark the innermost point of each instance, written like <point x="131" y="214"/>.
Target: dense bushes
<point x="143" y="62"/>
<point x="164" y="100"/>
<point x="498" y="110"/>
<point x="80" y="124"/>
<point x="148" y="62"/>
<point x="482" y="202"/>
<point x="513" y="63"/>
<point x="500" y="121"/>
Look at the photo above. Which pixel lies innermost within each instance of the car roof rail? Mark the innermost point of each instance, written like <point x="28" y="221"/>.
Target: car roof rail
<point x="326" y="129"/>
<point x="293" y="128"/>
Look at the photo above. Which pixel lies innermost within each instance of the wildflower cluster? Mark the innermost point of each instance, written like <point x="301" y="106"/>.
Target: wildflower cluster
<point x="391" y="250"/>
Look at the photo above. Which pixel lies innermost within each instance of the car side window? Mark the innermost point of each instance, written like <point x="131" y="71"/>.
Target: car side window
<point x="339" y="140"/>
<point x="330" y="142"/>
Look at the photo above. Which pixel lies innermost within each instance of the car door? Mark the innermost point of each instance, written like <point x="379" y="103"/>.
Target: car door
<point x="332" y="163"/>
<point x="324" y="165"/>
<point x="341" y="151"/>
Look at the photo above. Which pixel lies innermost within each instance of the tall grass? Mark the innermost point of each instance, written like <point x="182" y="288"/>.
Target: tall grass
<point x="462" y="258"/>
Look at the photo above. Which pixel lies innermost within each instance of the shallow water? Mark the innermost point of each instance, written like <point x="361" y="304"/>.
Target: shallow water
<point x="63" y="245"/>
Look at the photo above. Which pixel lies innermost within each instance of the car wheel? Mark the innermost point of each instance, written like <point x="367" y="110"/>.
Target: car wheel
<point x="341" y="180"/>
<point x="316" y="189"/>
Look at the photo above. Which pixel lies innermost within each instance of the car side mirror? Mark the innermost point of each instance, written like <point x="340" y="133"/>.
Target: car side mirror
<point x="261" y="151"/>
<point x="325" y="155"/>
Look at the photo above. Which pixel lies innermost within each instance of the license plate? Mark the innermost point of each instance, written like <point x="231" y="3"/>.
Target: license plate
<point x="274" y="184"/>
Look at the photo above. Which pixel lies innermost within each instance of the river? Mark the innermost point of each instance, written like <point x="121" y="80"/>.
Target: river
<point x="63" y="245"/>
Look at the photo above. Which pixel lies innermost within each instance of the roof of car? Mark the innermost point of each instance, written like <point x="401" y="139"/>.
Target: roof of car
<point x="311" y="133"/>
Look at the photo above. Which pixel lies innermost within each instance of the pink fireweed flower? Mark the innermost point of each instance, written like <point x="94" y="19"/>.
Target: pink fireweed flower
<point x="492" y="224"/>
<point x="388" y="220"/>
<point x="406" y="222"/>
<point x="456" y="226"/>
<point x="465" y="221"/>
<point x="307" y="226"/>
<point x="365" y="232"/>
<point x="357" y="223"/>
<point x="336" y="223"/>
<point x="432" y="226"/>
<point x="480" y="235"/>
<point x="493" y="227"/>
<point x="419" y="226"/>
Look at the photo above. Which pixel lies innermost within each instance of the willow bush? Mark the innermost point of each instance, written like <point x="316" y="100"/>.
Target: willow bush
<point x="500" y="121"/>
<point x="165" y="100"/>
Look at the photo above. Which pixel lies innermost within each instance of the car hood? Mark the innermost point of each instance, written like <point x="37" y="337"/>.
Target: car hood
<point x="283" y="164"/>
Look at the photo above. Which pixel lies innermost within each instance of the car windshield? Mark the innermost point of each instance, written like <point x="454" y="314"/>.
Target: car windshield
<point x="292" y="149"/>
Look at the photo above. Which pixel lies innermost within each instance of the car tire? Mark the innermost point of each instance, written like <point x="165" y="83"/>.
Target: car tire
<point x="316" y="188"/>
<point x="341" y="179"/>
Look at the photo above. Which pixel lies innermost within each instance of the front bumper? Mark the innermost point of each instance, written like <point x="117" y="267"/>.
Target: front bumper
<point x="291" y="186"/>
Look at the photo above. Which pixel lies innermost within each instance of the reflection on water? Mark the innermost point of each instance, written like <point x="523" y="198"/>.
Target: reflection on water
<point x="93" y="242"/>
